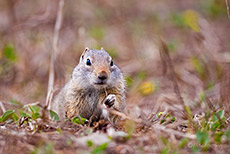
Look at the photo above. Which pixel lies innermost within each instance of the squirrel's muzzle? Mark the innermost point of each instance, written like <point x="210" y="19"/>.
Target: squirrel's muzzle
<point x="102" y="76"/>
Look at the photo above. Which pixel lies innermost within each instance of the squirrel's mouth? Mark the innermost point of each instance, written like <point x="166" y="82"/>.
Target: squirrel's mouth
<point x="100" y="83"/>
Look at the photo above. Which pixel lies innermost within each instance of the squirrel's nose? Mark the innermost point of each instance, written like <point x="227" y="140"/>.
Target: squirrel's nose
<point x="102" y="76"/>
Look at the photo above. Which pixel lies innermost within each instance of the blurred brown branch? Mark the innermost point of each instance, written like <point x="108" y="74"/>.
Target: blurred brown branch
<point x="226" y="2"/>
<point x="54" y="51"/>
<point x="2" y="107"/>
<point x="168" y="63"/>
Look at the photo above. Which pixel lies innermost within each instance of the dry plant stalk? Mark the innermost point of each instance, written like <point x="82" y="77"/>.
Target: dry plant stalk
<point x="53" y="57"/>
<point x="2" y="107"/>
<point x="227" y="6"/>
<point x="168" y="65"/>
<point x="225" y="87"/>
<point x="174" y="132"/>
<point x="54" y="51"/>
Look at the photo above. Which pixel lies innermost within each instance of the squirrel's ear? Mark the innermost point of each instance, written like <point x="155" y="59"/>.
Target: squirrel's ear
<point x="82" y="55"/>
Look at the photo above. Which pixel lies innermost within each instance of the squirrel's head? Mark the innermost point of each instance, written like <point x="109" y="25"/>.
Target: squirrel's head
<point x="96" y="68"/>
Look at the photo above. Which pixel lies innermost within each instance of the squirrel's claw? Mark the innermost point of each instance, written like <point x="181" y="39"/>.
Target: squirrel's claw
<point x="109" y="100"/>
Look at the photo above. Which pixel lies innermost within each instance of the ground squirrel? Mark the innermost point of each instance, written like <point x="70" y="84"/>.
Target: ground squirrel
<point x="96" y="82"/>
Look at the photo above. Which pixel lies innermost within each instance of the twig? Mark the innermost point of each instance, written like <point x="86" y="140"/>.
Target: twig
<point x="2" y="107"/>
<point x="167" y="60"/>
<point x="226" y="2"/>
<point x="54" y="51"/>
<point x="122" y="115"/>
<point x="171" y="131"/>
<point x="32" y="104"/>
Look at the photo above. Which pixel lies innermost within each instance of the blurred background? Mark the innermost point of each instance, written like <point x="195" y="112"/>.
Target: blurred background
<point x="196" y="32"/>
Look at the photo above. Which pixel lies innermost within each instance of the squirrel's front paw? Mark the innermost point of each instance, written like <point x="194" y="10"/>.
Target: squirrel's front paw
<point x="109" y="100"/>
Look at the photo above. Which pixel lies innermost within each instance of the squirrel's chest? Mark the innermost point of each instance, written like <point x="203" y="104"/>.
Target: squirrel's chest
<point x="84" y="103"/>
<point x="87" y="99"/>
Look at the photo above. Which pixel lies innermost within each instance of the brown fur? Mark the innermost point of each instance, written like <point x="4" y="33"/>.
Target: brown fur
<point x="80" y="97"/>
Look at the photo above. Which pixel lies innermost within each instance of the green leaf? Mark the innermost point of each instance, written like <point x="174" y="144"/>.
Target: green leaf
<point x="90" y="143"/>
<point x="23" y="114"/>
<point x="76" y="120"/>
<point x="10" y="53"/>
<point x="221" y="113"/>
<point x="7" y="115"/>
<point x="54" y="115"/>
<point x="168" y="116"/>
<point x="195" y="149"/>
<point x="36" y="116"/>
<point x="31" y="109"/>
<point x="162" y="121"/>
<point x="202" y="137"/>
<point x="216" y="125"/>
<point x="99" y="149"/>
<point x="58" y="130"/>
<point x="217" y="137"/>
<point x="165" y="151"/>
<point x="183" y="143"/>
<point x="227" y="134"/>
<point x="36" y="108"/>
<point x="15" y="117"/>
<point x="173" y="119"/>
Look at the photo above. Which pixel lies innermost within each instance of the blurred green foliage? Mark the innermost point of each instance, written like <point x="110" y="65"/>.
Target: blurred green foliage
<point x="183" y="142"/>
<point x="9" y="53"/>
<point x="191" y="19"/>
<point x="137" y="28"/>
<point x="172" y="45"/>
<point x="198" y="66"/>
<point x="147" y="88"/>
<point x="9" y="114"/>
<point x="203" y="138"/>
<point x="44" y="148"/>
<point x="100" y="149"/>
<point x="54" y="115"/>
<point x="129" y="81"/>
<point x="177" y="19"/>
<point x="130" y="127"/>
<point x="97" y="149"/>
<point x="79" y="120"/>
<point x="112" y="51"/>
<point x="214" y="8"/>
<point x="97" y="32"/>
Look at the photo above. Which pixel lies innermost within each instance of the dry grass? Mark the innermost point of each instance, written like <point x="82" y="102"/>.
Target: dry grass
<point x="183" y="110"/>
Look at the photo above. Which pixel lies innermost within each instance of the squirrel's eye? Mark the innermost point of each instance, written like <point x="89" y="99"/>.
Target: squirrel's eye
<point x="88" y="62"/>
<point x="111" y="63"/>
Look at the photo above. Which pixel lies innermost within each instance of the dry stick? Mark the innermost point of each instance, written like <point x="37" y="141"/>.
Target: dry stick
<point x="54" y="51"/>
<point x="226" y="2"/>
<point x="122" y="115"/>
<point x="172" y="131"/>
<point x="167" y="60"/>
<point x="53" y="57"/>
<point x="2" y="107"/>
